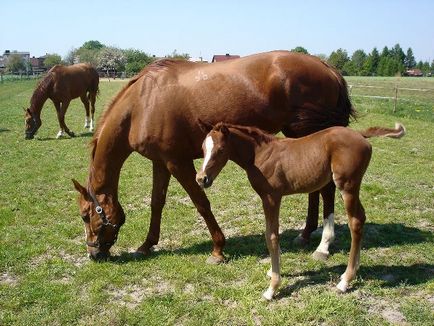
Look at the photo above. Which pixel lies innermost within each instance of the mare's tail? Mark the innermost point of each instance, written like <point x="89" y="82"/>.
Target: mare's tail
<point x="398" y="132"/>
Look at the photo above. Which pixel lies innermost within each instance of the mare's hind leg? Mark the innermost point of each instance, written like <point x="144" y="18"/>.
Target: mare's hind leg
<point x="92" y="98"/>
<point x="160" y="179"/>
<point x="356" y="220"/>
<point x="311" y="220"/>
<point x="85" y="101"/>
<point x="328" y="233"/>
<point x="185" y="173"/>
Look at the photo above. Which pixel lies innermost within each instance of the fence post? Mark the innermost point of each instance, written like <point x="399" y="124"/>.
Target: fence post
<point x="396" y="99"/>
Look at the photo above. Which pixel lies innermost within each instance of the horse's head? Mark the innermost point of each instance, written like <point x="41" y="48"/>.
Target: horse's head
<point x="215" y="153"/>
<point x="102" y="216"/>
<point x="32" y="124"/>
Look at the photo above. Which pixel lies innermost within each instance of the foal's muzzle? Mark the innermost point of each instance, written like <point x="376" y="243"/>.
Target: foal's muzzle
<point x="203" y="180"/>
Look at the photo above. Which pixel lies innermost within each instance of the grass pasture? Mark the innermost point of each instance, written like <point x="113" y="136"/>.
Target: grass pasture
<point x="47" y="279"/>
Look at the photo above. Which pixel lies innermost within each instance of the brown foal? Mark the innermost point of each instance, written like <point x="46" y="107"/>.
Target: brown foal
<point x="334" y="157"/>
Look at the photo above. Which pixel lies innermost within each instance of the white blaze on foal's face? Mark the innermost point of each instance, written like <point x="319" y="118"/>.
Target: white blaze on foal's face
<point x="209" y="144"/>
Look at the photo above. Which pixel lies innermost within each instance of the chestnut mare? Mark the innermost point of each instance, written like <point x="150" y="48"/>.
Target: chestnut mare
<point x="156" y="115"/>
<point x="334" y="157"/>
<point x="62" y="84"/>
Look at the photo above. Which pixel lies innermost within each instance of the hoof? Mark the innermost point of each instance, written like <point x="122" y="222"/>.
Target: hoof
<point x="342" y="286"/>
<point x="268" y="295"/>
<point x="215" y="260"/>
<point x="138" y="255"/>
<point x="71" y="134"/>
<point x="300" y="241"/>
<point x="321" y="256"/>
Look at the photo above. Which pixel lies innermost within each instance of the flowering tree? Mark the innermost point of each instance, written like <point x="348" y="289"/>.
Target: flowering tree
<point x="111" y="60"/>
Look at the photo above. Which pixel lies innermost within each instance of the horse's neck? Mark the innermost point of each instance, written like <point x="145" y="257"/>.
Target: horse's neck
<point x="243" y="149"/>
<point x="37" y="101"/>
<point x="110" y="152"/>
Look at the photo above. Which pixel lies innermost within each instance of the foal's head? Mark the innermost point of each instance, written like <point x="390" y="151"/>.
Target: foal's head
<point x="102" y="216"/>
<point x="32" y="124"/>
<point x="216" y="154"/>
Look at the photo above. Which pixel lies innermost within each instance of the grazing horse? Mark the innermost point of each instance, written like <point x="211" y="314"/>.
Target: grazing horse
<point x="334" y="157"/>
<point x="62" y="84"/>
<point x="156" y="115"/>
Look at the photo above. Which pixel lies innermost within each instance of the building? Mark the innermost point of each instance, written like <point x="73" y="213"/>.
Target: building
<point x="6" y="55"/>
<point x="37" y="64"/>
<point x="224" y="57"/>
<point x="414" y="72"/>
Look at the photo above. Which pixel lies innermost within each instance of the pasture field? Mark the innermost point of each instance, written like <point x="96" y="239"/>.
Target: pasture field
<point x="47" y="279"/>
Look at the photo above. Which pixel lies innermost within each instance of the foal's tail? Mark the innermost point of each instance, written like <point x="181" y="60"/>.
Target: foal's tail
<point x="398" y="132"/>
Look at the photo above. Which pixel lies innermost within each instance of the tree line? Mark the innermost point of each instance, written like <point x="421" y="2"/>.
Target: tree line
<point x="113" y="60"/>
<point x="390" y="62"/>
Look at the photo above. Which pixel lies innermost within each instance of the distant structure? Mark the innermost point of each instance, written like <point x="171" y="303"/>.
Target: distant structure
<point x="37" y="64"/>
<point x="33" y="65"/>
<point x="221" y="57"/>
<point x="414" y="73"/>
<point x="198" y="59"/>
<point x="5" y="57"/>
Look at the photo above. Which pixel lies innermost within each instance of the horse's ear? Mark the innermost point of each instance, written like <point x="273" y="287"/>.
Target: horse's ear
<point x="82" y="190"/>
<point x="224" y="130"/>
<point x="204" y="126"/>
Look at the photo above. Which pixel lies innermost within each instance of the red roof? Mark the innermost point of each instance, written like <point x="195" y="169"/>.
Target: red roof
<point x="224" y="57"/>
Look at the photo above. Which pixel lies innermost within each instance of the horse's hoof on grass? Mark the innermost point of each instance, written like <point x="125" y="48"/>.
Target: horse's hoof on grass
<point x="138" y="255"/>
<point x="299" y="241"/>
<point x="321" y="256"/>
<point x="214" y="260"/>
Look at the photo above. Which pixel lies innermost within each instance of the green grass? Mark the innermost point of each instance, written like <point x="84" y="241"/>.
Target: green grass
<point x="46" y="278"/>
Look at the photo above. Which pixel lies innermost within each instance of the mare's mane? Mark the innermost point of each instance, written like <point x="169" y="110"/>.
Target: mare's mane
<point x="157" y="67"/>
<point x="258" y="135"/>
<point x="42" y="88"/>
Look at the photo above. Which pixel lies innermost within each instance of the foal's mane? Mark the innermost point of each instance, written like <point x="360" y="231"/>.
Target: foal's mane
<point x="150" y="71"/>
<point x="258" y="135"/>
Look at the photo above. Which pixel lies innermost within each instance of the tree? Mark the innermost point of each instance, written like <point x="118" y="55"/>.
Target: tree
<point x="15" y="63"/>
<point x="338" y="59"/>
<point x="322" y="56"/>
<point x="111" y="59"/>
<point x="300" y="49"/>
<point x="70" y="57"/>
<point x="371" y="64"/>
<point x="136" y="60"/>
<point x="358" y="60"/>
<point x="176" y="55"/>
<point x="409" y="61"/>
<point x="92" y="45"/>
<point x="385" y="52"/>
<point x="397" y="53"/>
<point x="52" y="60"/>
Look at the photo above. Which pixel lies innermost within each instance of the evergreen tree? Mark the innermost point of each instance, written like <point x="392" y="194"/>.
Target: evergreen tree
<point x="338" y="59"/>
<point x="397" y="53"/>
<point x="409" y="62"/>
<point x="358" y="60"/>
<point x="300" y="49"/>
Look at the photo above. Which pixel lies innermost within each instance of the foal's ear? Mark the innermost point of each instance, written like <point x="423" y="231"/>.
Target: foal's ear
<point x="82" y="190"/>
<point x="204" y="126"/>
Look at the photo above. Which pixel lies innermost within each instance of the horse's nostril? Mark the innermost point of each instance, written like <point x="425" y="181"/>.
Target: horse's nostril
<point x="205" y="180"/>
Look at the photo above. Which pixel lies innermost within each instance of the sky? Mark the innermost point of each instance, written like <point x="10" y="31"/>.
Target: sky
<point x="204" y="28"/>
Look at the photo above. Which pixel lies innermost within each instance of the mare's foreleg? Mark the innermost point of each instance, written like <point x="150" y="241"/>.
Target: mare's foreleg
<point x="92" y="98"/>
<point x="356" y="220"/>
<point x="61" y="111"/>
<point x="328" y="233"/>
<point x="85" y="102"/>
<point x="271" y="209"/>
<point x="311" y="220"/>
<point x="185" y="173"/>
<point x="160" y="180"/>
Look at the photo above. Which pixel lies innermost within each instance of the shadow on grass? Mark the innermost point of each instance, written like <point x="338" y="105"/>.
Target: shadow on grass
<point x="375" y="236"/>
<point x="389" y="276"/>
<point x="82" y="135"/>
<point x="4" y="129"/>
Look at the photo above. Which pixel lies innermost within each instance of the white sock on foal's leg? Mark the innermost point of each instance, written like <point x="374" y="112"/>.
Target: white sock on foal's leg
<point x="61" y="133"/>
<point x="86" y="122"/>
<point x="328" y="236"/>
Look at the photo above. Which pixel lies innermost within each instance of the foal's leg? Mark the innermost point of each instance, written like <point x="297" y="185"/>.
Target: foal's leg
<point x="61" y="132"/>
<point x="271" y="209"/>
<point x="85" y="101"/>
<point x="185" y="173"/>
<point x="311" y="220"/>
<point x="92" y="98"/>
<point x="356" y="220"/>
<point x="328" y="233"/>
<point x="160" y="179"/>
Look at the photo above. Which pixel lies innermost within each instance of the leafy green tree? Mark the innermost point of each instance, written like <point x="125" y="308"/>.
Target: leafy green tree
<point x="70" y="56"/>
<point x="136" y="60"/>
<point x="15" y="63"/>
<point x="349" y="69"/>
<point x="322" y="56"/>
<point x="338" y="58"/>
<point x="409" y="61"/>
<point x="92" y="45"/>
<point x="398" y="53"/>
<point x="300" y="49"/>
<point x="371" y="64"/>
<point x="385" y="52"/>
<point x="390" y="66"/>
<point x="52" y="60"/>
